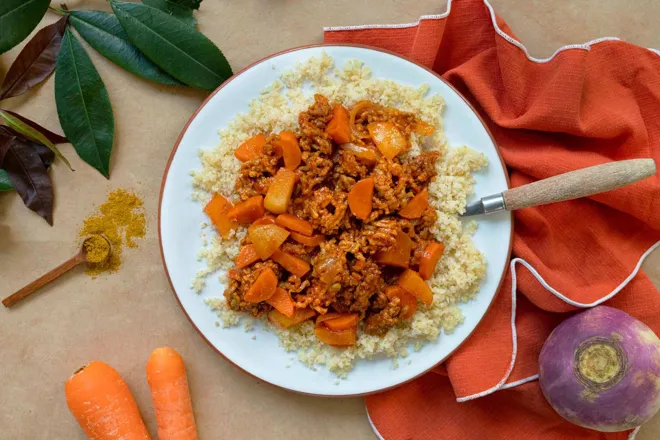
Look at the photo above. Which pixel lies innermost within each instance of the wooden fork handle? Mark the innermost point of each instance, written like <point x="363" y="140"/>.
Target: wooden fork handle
<point x="580" y="183"/>
<point x="43" y="280"/>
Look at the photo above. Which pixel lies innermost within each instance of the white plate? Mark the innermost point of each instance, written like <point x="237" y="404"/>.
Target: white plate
<point x="180" y="217"/>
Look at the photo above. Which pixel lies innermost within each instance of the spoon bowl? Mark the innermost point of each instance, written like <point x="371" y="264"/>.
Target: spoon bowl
<point x="96" y="249"/>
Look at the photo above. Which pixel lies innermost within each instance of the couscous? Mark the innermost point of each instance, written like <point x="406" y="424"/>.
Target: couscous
<point x="334" y="283"/>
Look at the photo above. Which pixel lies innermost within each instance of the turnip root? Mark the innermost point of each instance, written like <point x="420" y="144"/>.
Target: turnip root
<point x="600" y="369"/>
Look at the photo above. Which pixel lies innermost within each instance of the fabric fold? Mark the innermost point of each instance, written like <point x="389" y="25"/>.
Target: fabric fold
<point x="587" y="105"/>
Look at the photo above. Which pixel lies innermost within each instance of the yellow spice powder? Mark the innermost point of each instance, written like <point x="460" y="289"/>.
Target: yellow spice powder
<point x="121" y="220"/>
<point x="97" y="249"/>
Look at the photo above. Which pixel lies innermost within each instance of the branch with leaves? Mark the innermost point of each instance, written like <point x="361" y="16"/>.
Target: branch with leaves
<point x="156" y="40"/>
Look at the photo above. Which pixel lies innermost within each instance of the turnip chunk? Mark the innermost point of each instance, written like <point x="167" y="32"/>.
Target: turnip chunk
<point x="601" y="369"/>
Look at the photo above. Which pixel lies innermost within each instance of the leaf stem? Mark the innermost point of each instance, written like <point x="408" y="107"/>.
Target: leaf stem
<point x="59" y="11"/>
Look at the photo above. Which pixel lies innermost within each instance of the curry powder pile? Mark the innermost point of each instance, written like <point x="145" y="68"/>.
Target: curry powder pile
<point x="121" y="220"/>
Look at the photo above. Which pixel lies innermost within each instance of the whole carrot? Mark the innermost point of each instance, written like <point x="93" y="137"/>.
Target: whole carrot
<point x="166" y="375"/>
<point x="103" y="405"/>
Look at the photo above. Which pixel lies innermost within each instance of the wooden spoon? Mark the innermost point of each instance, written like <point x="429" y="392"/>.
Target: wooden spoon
<point x="81" y="257"/>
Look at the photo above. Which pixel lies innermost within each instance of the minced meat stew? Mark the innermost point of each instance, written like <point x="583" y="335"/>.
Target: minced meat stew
<point x="338" y="223"/>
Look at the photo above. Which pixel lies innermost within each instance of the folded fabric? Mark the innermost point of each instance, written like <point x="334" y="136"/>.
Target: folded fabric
<point x="586" y="105"/>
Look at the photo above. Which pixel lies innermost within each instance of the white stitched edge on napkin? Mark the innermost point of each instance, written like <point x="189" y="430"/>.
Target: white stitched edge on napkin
<point x="514" y="336"/>
<point x="586" y="46"/>
<point x="380" y="437"/>
<point x="502" y="385"/>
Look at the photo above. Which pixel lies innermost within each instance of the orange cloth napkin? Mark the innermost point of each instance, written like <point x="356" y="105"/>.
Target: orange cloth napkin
<point x="586" y="105"/>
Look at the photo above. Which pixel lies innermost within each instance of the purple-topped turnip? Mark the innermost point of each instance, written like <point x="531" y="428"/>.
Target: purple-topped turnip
<point x="601" y="369"/>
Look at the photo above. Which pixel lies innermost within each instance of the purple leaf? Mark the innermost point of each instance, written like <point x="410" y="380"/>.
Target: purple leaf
<point x="53" y="137"/>
<point x="28" y="175"/>
<point x="35" y="62"/>
<point x="46" y="154"/>
<point x="5" y="136"/>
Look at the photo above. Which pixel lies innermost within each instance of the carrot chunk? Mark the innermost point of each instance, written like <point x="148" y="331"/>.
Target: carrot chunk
<point x="342" y="338"/>
<point x="246" y="256"/>
<point x="416" y="206"/>
<point x="339" y="127"/>
<point x="279" y="191"/>
<point x="267" y="239"/>
<point x="101" y="402"/>
<point x="326" y="317"/>
<point x="248" y="211"/>
<point x="342" y="322"/>
<point x="265" y="220"/>
<point x="399" y="254"/>
<point x="288" y="144"/>
<point x="168" y="382"/>
<point x="251" y="149"/>
<point x="314" y="240"/>
<point x="360" y="198"/>
<point x="282" y="302"/>
<point x="430" y="258"/>
<point x="295" y="223"/>
<point x="416" y="286"/>
<point x="293" y="264"/>
<point x="263" y="287"/>
<point x="217" y="210"/>
<point x="389" y="140"/>
<point x="407" y="302"/>
<point x="299" y="315"/>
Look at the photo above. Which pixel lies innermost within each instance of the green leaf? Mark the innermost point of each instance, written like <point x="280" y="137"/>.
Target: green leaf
<point x="176" y="48"/>
<point x="104" y="33"/>
<point x="83" y="105"/>
<point x="174" y="9"/>
<point x="5" y="183"/>
<point x="31" y="133"/>
<point x="17" y="19"/>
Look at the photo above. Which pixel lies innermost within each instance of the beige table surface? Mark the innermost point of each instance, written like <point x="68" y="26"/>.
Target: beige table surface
<point x="120" y="318"/>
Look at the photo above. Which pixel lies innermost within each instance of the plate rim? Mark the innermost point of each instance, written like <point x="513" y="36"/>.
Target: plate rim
<point x="176" y="147"/>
